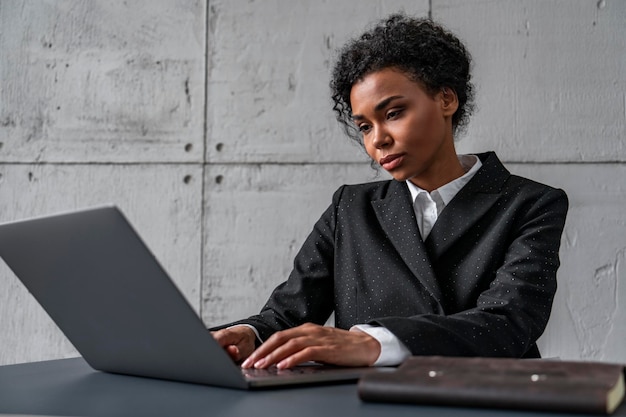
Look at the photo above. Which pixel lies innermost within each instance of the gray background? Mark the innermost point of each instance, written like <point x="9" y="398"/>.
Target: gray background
<point x="210" y="125"/>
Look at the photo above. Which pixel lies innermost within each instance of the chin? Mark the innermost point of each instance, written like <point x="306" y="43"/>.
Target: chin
<point x="400" y="176"/>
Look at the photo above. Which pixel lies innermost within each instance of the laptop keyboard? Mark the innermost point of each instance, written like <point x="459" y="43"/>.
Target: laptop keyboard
<point x="274" y="371"/>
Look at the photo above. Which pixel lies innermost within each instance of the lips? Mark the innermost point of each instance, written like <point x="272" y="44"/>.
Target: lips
<point x="390" y="162"/>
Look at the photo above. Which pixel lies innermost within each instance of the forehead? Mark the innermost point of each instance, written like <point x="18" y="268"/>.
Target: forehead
<point x="379" y="85"/>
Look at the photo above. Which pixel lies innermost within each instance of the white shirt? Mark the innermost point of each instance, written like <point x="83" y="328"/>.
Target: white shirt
<point x="427" y="207"/>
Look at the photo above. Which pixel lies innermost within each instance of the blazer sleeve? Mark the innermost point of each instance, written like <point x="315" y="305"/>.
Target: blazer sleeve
<point x="512" y="311"/>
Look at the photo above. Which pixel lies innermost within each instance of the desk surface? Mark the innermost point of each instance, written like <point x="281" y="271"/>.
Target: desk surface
<point x="69" y="387"/>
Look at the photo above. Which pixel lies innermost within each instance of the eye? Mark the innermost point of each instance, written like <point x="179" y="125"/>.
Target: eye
<point x="393" y="113"/>
<point x="364" y="128"/>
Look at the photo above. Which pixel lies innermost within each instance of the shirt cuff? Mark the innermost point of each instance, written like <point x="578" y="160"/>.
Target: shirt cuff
<point x="392" y="350"/>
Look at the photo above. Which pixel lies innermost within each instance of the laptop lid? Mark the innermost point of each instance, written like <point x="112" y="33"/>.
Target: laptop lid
<point x="109" y="295"/>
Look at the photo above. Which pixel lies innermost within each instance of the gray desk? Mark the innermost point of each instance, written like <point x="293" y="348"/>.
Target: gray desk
<point x="69" y="387"/>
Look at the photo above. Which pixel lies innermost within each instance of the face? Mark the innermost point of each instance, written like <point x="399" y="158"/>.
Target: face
<point x="405" y="129"/>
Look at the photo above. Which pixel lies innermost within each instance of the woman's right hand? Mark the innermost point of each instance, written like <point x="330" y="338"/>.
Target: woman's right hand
<point x="237" y="341"/>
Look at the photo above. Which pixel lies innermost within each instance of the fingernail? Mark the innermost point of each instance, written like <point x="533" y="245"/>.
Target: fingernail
<point x="260" y="363"/>
<point x="246" y="363"/>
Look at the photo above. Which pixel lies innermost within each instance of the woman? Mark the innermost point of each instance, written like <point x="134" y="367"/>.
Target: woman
<point x="453" y="256"/>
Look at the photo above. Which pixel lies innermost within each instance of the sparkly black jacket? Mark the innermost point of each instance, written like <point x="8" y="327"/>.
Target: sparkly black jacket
<point x="481" y="284"/>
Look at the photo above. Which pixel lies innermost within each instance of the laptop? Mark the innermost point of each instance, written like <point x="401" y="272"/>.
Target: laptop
<point x="99" y="282"/>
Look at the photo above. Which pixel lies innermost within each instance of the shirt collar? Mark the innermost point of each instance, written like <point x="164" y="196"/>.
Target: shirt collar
<point x="444" y="194"/>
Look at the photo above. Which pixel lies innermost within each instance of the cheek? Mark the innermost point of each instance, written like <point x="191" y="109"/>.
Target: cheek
<point x="427" y="125"/>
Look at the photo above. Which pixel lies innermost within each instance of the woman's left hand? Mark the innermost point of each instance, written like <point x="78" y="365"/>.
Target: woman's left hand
<point x="312" y="342"/>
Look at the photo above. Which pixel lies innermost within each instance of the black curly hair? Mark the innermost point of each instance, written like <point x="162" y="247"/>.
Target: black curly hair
<point x="420" y="48"/>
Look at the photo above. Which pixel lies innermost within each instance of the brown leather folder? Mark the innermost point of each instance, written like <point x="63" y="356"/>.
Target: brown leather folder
<point x="524" y="384"/>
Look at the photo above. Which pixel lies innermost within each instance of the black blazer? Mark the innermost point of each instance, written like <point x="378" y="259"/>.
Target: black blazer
<point x="482" y="283"/>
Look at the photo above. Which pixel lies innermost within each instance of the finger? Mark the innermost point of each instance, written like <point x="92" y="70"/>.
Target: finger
<point x="290" y="347"/>
<point x="302" y="350"/>
<point x="233" y="352"/>
<point x="262" y="351"/>
<point x="308" y="354"/>
<point x="275" y="342"/>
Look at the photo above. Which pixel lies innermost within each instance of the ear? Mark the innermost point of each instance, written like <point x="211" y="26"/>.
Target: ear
<point x="449" y="101"/>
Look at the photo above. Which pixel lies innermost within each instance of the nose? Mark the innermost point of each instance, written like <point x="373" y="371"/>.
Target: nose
<point x="382" y="138"/>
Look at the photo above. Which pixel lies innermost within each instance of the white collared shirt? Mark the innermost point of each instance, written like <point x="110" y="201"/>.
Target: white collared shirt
<point x="428" y="206"/>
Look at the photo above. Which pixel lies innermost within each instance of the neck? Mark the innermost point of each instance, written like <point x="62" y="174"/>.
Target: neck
<point x="443" y="171"/>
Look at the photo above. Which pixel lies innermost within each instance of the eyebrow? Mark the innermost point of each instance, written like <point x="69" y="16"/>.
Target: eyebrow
<point x="378" y="107"/>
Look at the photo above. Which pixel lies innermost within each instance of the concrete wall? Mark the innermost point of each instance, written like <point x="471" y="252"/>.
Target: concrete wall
<point x="209" y="124"/>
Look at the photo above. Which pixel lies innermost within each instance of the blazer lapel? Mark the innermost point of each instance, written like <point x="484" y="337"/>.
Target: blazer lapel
<point x="397" y="218"/>
<point x="468" y="206"/>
